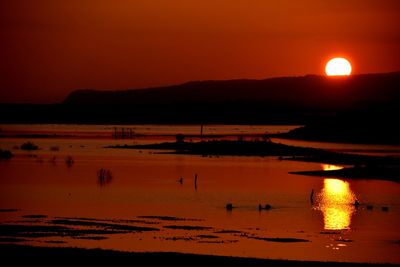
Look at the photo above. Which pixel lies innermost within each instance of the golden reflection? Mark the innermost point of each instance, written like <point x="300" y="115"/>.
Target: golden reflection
<point x="330" y="167"/>
<point x="336" y="202"/>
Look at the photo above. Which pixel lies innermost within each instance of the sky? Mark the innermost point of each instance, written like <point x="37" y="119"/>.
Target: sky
<point x="49" y="48"/>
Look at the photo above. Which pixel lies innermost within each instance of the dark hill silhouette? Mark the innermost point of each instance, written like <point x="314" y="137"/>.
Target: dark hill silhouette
<point x="286" y="100"/>
<point x="309" y="92"/>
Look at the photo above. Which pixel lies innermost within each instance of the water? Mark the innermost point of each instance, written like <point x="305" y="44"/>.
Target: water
<point x="145" y="183"/>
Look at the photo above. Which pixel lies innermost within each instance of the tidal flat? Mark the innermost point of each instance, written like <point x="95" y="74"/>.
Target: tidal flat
<point x="145" y="201"/>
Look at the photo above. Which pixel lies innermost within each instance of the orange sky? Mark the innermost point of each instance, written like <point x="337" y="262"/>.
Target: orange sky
<point x="49" y="48"/>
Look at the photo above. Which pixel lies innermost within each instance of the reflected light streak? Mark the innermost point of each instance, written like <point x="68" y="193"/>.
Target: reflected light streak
<point x="336" y="201"/>
<point x="329" y="167"/>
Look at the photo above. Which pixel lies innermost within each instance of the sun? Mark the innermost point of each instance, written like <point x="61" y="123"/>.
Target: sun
<point x="338" y="66"/>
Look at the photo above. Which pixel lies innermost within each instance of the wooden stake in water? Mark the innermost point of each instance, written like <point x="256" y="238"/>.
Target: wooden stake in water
<point x="312" y="196"/>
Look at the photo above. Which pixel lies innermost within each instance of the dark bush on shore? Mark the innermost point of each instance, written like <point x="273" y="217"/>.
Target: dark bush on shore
<point x="29" y="146"/>
<point x="5" y="154"/>
<point x="180" y="138"/>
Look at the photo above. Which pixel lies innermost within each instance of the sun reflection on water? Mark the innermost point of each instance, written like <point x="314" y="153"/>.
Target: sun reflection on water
<point x="330" y="167"/>
<point x="336" y="201"/>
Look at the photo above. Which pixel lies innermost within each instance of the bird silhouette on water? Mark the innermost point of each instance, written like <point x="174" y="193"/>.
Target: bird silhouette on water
<point x="266" y="207"/>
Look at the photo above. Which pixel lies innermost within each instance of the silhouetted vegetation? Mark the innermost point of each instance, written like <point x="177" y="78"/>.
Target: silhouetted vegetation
<point x="123" y="133"/>
<point x="5" y="154"/>
<point x="29" y="146"/>
<point x="180" y="138"/>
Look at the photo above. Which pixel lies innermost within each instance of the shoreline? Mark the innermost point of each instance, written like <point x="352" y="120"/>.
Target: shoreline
<point x="259" y="147"/>
<point x="384" y="173"/>
<point x="48" y="255"/>
<point x="364" y="167"/>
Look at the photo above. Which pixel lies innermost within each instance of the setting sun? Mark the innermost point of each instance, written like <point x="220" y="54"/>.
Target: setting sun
<point x="231" y="132"/>
<point x="338" y="67"/>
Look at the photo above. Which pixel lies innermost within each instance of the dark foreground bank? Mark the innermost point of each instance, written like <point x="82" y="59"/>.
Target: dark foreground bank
<point x="55" y="256"/>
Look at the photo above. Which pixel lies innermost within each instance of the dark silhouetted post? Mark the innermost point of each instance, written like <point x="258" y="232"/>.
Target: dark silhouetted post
<point x="312" y="196"/>
<point x="195" y="181"/>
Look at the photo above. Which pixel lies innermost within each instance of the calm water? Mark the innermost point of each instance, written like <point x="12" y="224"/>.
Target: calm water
<point x="145" y="183"/>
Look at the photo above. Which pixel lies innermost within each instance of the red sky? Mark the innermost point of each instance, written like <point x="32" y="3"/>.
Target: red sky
<point x="49" y="48"/>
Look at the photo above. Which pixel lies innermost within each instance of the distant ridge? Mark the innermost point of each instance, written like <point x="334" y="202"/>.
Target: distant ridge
<point x="311" y="92"/>
<point x="284" y="100"/>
